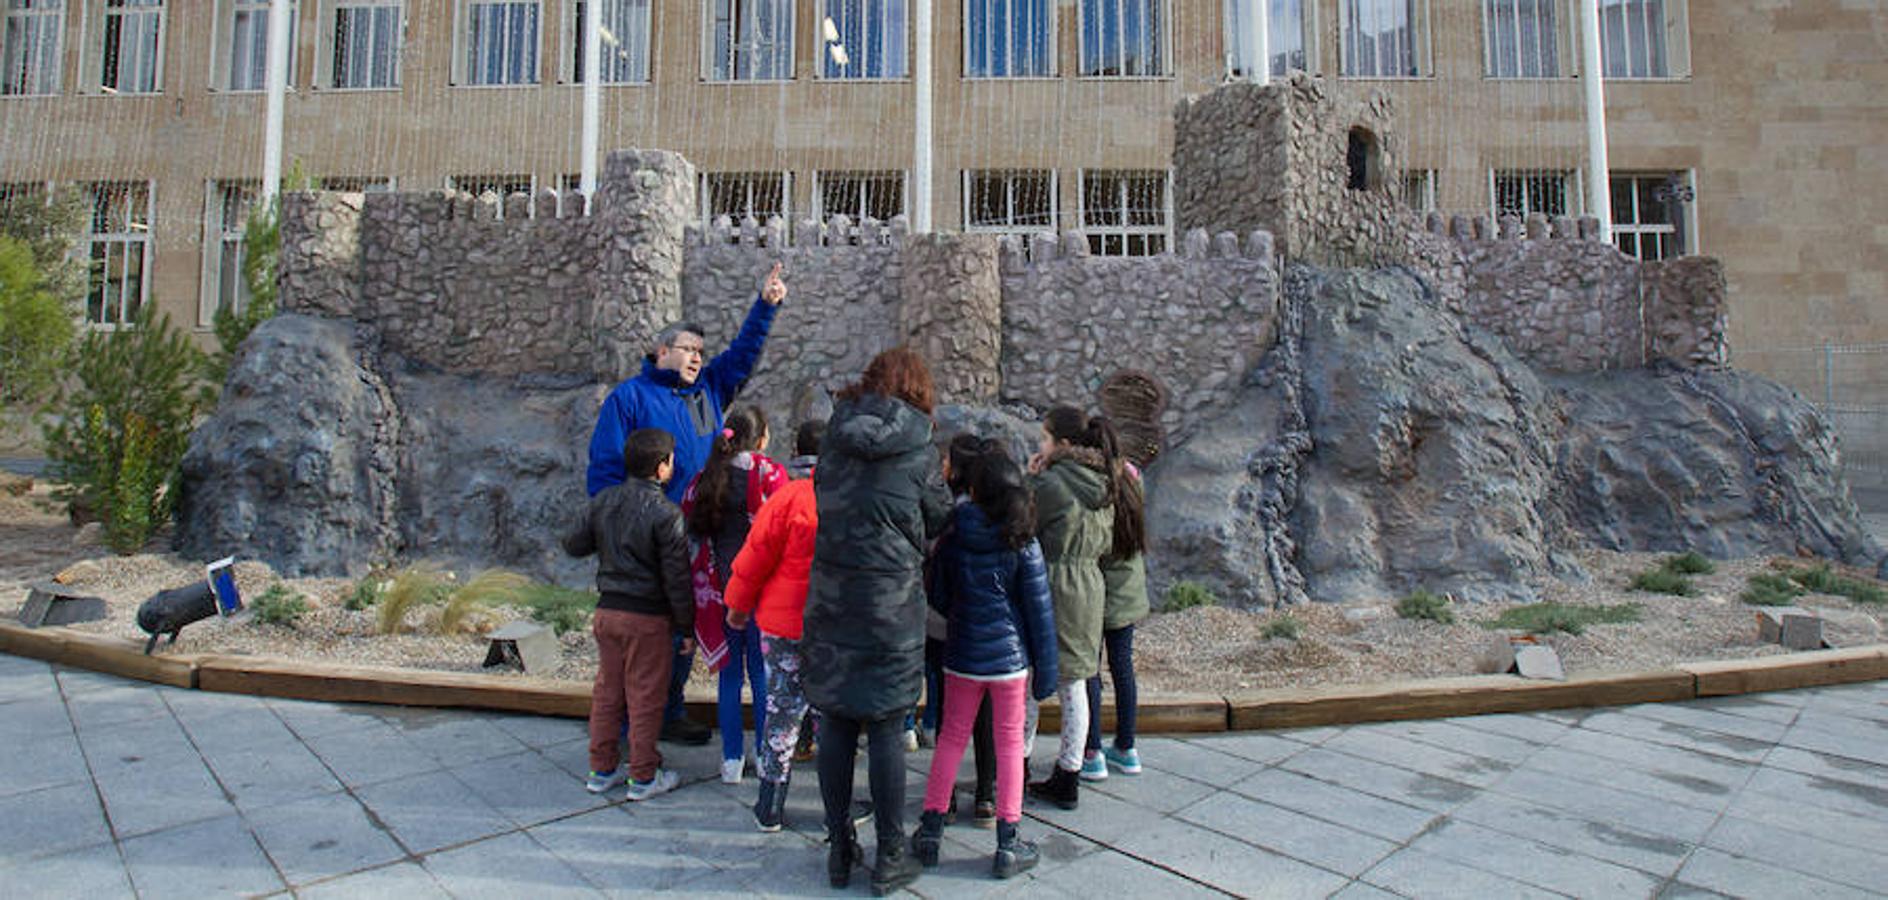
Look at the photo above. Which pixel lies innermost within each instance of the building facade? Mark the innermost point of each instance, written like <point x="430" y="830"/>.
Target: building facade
<point x="1756" y="132"/>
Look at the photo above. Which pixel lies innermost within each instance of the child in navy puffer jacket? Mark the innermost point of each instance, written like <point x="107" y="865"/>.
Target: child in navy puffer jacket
<point x="990" y="582"/>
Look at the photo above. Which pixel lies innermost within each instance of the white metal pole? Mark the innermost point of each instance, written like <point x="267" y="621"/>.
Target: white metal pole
<point x="1259" y="40"/>
<point x="921" y="131"/>
<point x="592" y="95"/>
<point x="1599" y="183"/>
<point x="277" y="61"/>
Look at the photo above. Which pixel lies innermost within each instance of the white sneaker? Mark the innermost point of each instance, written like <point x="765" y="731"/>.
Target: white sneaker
<point x="911" y="740"/>
<point x="600" y="782"/>
<point x="731" y="771"/>
<point x="665" y="781"/>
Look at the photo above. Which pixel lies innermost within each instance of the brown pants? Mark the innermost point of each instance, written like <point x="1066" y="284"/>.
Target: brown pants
<point x="634" y="654"/>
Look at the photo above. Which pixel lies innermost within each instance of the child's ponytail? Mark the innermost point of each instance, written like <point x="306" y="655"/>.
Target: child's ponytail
<point x="1130" y="521"/>
<point x="740" y="433"/>
<point x="998" y="488"/>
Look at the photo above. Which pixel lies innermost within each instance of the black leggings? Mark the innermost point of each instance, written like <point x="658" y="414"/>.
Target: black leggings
<point x="885" y="764"/>
<point x="1120" y="643"/>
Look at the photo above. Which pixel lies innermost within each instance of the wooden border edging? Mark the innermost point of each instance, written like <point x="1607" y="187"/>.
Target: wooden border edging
<point x="1446" y="697"/>
<point x="1810" y="668"/>
<point x="123" y="657"/>
<point x="379" y="684"/>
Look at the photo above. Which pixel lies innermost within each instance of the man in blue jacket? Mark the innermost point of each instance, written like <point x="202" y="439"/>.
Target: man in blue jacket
<point x="678" y="394"/>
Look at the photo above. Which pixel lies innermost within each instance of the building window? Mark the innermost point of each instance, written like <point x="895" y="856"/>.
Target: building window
<point x="1633" y="38"/>
<point x="357" y="184"/>
<point x="1288" y="26"/>
<point x="870" y="35"/>
<point x="118" y="246"/>
<point x="749" y="40"/>
<point x="502" y="186"/>
<point x="498" y="43"/>
<point x="1009" y="39"/>
<point x="738" y="195"/>
<point x="1384" y="38"/>
<point x="1123" y="38"/>
<point x="248" y="48"/>
<point x="364" y="44"/>
<point x="1125" y="213"/>
<point x="1648" y="214"/>
<point x="1521" y="193"/>
<point x="624" y="53"/>
<point x="859" y="196"/>
<point x="1419" y="189"/>
<point x="30" y="50"/>
<point x="1521" y="38"/>
<point x="1018" y="202"/>
<point x="134" y="47"/>
<point x="224" y="222"/>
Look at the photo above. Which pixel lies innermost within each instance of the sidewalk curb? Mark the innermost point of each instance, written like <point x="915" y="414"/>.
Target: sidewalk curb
<point x="1282" y="708"/>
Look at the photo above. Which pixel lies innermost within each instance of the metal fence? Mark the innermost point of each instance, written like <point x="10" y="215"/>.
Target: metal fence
<point x="1849" y="383"/>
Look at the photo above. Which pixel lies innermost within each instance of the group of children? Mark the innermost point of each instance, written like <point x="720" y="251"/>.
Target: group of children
<point x="1037" y="571"/>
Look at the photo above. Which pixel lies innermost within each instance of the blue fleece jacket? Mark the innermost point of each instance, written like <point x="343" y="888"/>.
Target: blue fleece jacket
<point x="658" y="399"/>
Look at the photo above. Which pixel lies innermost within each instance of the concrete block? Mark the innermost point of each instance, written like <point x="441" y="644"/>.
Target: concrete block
<point x="1538" y="661"/>
<point x="528" y="646"/>
<point x="1791" y="626"/>
<point x="55" y="604"/>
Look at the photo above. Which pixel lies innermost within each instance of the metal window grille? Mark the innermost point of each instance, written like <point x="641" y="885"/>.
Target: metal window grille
<point x="501" y="43"/>
<point x="751" y="40"/>
<point x="249" y="43"/>
<point x="357" y="184"/>
<point x="1849" y="384"/>
<point x="1125" y="213"/>
<point x="1647" y="217"/>
<point x="859" y="196"/>
<point x="1008" y="39"/>
<point x="134" y="46"/>
<point x="1521" y="38"/>
<point x="873" y="35"/>
<point x="1285" y="38"/>
<point x="1017" y="202"/>
<point x="1632" y="39"/>
<point x="1123" y="38"/>
<point x="502" y="186"/>
<point x="366" y="49"/>
<point x="739" y="195"/>
<point x="118" y="246"/>
<point x="1379" y="38"/>
<point x="1518" y="193"/>
<point x="625" y="33"/>
<point x="1419" y="190"/>
<point x="29" y="48"/>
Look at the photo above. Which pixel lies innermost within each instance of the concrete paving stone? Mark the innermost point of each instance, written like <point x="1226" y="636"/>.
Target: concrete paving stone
<point x="1678" y="890"/>
<point x="542" y="731"/>
<point x="1826" y="765"/>
<point x="370" y="754"/>
<point x="1622" y="842"/>
<point x="1760" y="730"/>
<point x="1359" y="890"/>
<point x="1541" y="865"/>
<point x="217" y="857"/>
<point x="197" y="706"/>
<point x="1785" y="849"/>
<point x="528" y="789"/>
<point x="37" y="713"/>
<point x="1812" y="819"/>
<point x="1314" y="735"/>
<point x="1741" y="877"/>
<point x="431" y="811"/>
<point x="1195" y="761"/>
<point x="1683" y="736"/>
<point x="1098" y="817"/>
<point x="322" y="837"/>
<point x="1606" y="804"/>
<point x="20" y="665"/>
<point x="1666" y="785"/>
<point x="113" y="705"/>
<point x="396" y="882"/>
<point x="1414" y="873"/>
<point x="507" y="867"/>
<point x="719" y="835"/>
<point x="142" y="800"/>
<point x="1122" y="876"/>
<point x="454" y="738"/>
<point x="139" y="744"/>
<point x="1265" y="749"/>
<point x="1058" y="847"/>
<point x="1653" y="756"/>
<point x="612" y="852"/>
<point x="1337" y="804"/>
<point x="1158" y="793"/>
<point x="236" y="730"/>
<point x="789" y="871"/>
<point x="270" y="773"/>
<point x="1847" y="706"/>
<point x="1381" y="779"/>
<point x="1391" y="749"/>
<point x="1755" y="706"/>
<point x="94" y="873"/>
<point x="1849" y="797"/>
<point x="80" y="681"/>
<point x="311" y="718"/>
<point x="1224" y="863"/>
<point x="36" y="762"/>
<point x="1288" y="832"/>
<point x="1460" y="739"/>
<point x="1863" y="739"/>
<point x="1534" y="729"/>
<point x="49" y="821"/>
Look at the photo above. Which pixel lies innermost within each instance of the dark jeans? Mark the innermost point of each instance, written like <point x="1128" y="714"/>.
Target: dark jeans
<point x="1120" y="644"/>
<point x="933" y="684"/>
<point x="678" y="676"/>
<point x="885" y="765"/>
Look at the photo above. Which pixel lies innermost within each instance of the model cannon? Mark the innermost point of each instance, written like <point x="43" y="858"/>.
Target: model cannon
<point x="169" y="611"/>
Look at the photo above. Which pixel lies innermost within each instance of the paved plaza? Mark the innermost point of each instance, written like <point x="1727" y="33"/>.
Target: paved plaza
<point x="115" y="788"/>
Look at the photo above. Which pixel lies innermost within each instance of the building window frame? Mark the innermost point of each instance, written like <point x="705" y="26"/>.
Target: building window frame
<point x="504" y="184"/>
<point x="711" y="187"/>
<point x="118" y="233"/>
<point x="1305" y="12"/>
<point x="1418" y="190"/>
<point x="1092" y="18"/>
<point x="117" y="18"/>
<point x="383" y="63"/>
<point x="1357" y="16"/>
<point x="32" y="64"/>
<point x="1110" y="227"/>
<point x="1536" y="190"/>
<point x="1527" y="57"/>
<point x="886" y="59"/>
<point x="722" y="62"/>
<point x="1008" y="178"/>
<point x="632" y="55"/>
<point x="227" y="206"/>
<point x="1661" y="51"/>
<point x="859" y="184"/>
<point x="1642" y="190"/>
<point x="519" y="58"/>
<point x="357" y="184"/>
<point x="1037" y="35"/>
<point x="238" y="21"/>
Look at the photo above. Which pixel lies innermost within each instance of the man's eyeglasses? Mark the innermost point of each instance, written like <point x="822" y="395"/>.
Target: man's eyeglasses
<point x="695" y="350"/>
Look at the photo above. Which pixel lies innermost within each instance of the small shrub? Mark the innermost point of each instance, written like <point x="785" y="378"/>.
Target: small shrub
<point x="1770" y="590"/>
<point x="1425" y="605"/>
<point x="1663" y="581"/>
<point x="278" y="606"/>
<point x="476" y="597"/>
<point x="35" y="327"/>
<point x="1285" y="627"/>
<point x="411" y="589"/>
<point x="1689" y="563"/>
<point x="367" y="592"/>
<point x="1821" y="580"/>
<point x="561" y="608"/>
<point x="1572" y="618"/>
<point x="1188" y="594"/>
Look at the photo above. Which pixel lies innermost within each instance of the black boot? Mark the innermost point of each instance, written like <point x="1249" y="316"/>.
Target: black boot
<point x="895" y="868"/>
<point x="770" y="811"/>
<point x="1062" y="788"/>
<point x="842" y="854"/>
<point x="1014" y="856"/>
<point x="928" y="838"/>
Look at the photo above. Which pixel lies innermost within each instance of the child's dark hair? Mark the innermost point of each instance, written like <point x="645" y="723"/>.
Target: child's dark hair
<point x="964" y="452"/>
<point x="997" y="487"/>
<point x="645" y="450"/>
<point x="1067" y="423"/>
<point x="810" y="435"/>
<point x="740" y="432"/>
